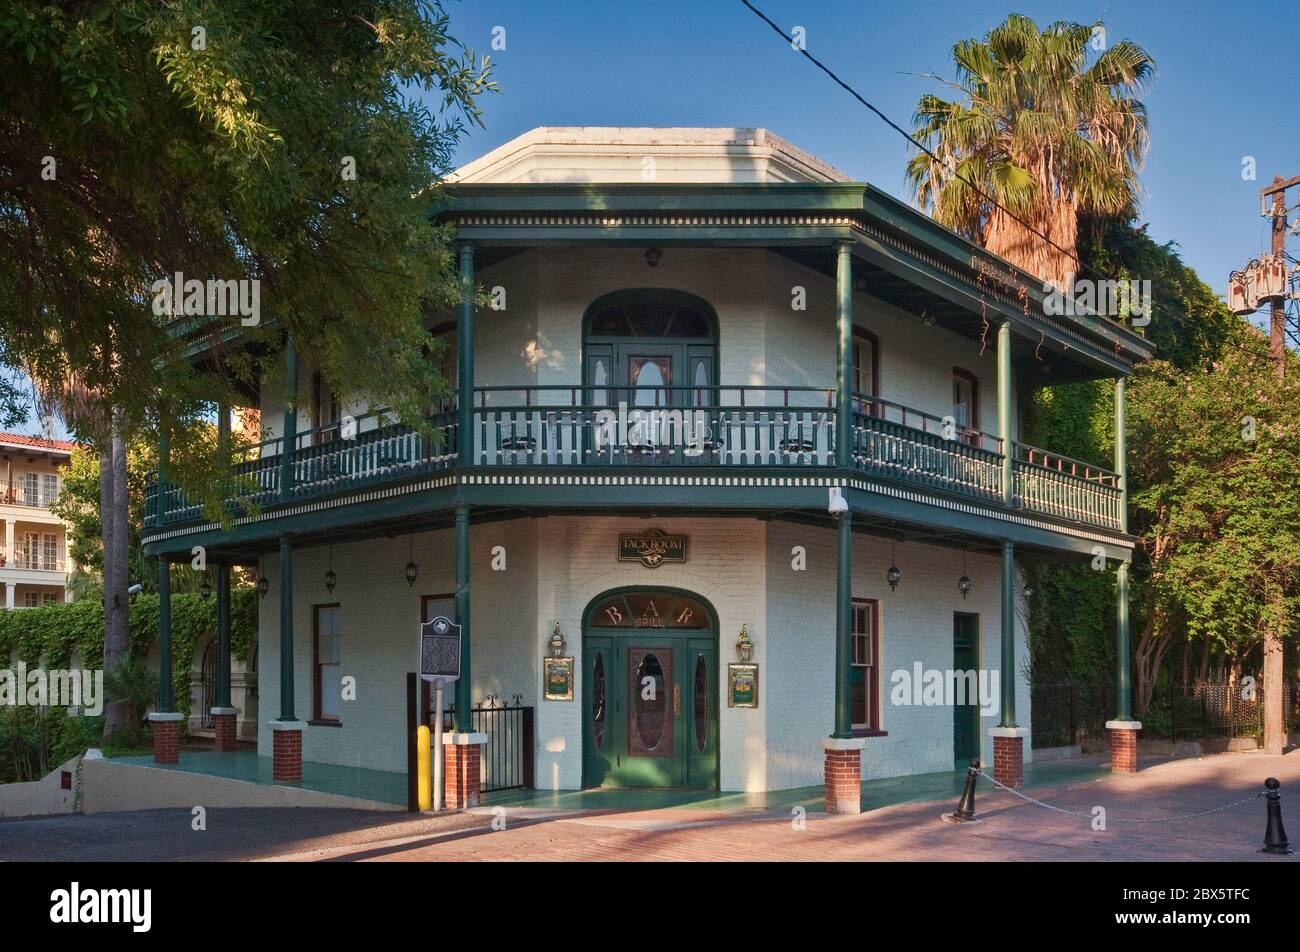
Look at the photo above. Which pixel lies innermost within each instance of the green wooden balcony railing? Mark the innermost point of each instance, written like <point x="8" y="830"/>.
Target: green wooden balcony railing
<point x="897" y="442"/>
<point x="1067" y="488"/>
<point x="654" y="426"/>
<point x="765" y="427"/>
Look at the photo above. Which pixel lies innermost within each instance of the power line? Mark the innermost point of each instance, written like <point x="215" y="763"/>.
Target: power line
<point x="908" y="136"/>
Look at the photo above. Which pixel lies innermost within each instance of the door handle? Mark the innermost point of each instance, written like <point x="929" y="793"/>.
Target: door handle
<point x="677" y="702"/>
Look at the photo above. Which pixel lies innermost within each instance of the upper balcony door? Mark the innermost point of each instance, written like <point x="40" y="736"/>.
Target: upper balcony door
<point x="650" y="348"/>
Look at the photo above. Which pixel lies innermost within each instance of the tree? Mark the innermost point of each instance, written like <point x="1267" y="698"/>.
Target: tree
<point x="1217" y="450"/>
<point x="1042" y="131"/>
<point x="281" y="148"/>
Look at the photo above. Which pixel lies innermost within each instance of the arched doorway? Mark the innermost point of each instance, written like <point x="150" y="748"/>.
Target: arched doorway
<point x="650" y="690"/>
<point x="650" y="347"/>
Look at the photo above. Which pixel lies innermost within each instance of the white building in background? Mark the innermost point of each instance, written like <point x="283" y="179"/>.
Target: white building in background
<point x="34" y="564"/>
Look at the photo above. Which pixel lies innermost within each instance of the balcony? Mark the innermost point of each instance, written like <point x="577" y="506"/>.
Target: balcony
<point x="37" y="563"/>
<point x="759" y="429"/>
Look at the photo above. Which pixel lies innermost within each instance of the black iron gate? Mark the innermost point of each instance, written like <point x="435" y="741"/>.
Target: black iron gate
<point x="507" y="761"/>
<point x="208" y="686"/>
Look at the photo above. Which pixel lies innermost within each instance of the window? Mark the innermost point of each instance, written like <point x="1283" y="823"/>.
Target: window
<point x="327" y="652"/>
<point x="31" y="599"/>
<point x="447" y="365"/>
<point x="49" y="551"/>
<point x="324" y="407"/>
<point x="49" y="489"/>
<point x="864" y="680"/>
<point x="49" y="598"/>
<point x="30" y="556"/>
<point x="31" y="489"/>
<point x="866" y="367"/>
<point x="966" y="403"/>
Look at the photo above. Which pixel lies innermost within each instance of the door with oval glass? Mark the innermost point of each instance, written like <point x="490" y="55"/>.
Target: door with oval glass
<point x="650" y="693"/>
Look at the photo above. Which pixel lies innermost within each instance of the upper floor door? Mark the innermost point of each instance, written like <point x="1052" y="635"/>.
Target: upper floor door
<point x="648" y="348"/>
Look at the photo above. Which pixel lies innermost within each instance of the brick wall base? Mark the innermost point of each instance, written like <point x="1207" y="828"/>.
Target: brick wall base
<point x="286" y="756"/>
<point x="166" y="742"/>
<point x="1009" y="761"/>
<point x="843" y="779"/>
<point x="223" y="732"/>
<point x="462" y="775"/>
<point x="1123" y="749"/>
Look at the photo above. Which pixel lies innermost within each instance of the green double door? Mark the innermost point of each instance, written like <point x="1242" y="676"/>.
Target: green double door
<point x="650" y="696"/>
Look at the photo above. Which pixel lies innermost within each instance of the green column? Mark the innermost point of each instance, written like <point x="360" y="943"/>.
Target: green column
<point x="1004" y="413"/>
<point x="223" y="573"/>
<point x="465" y="361"/>
<point x="166" y="698"/>
<point x="289" y="437"/>
<point x="286" y="631"/>
<point x="462" y="617"/>
<point x="844" y="627"/>
<point x="223" y="636"/>
<point x="844" y="354"/>
<point x="1123" y="706"/>
<point x="1121" y="452"/>
<point x="1008" y="675"/>
<point x="1123" y="656"/>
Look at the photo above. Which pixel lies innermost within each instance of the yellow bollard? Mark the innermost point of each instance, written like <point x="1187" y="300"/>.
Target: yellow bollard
<point x="422" y="785"/>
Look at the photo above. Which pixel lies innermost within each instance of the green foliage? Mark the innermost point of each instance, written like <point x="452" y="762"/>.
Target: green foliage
<point x="133" y="682"/>
<point x="53" y="634"/>
<point x="216" y="140"/>
<point x="34" y="740"/>
<point x="1216" y="459"/>
<point x="1071" y="624"/>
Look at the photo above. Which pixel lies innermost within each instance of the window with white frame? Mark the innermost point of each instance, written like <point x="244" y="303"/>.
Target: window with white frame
<point x="328" y="657"/>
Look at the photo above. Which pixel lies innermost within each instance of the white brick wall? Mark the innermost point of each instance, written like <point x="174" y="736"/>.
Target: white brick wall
<point x="557" y="565"/>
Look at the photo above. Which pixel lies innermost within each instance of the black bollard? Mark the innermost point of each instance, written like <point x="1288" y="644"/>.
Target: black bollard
<point x="1275" y="835"/>
<point x="965" y="811"/>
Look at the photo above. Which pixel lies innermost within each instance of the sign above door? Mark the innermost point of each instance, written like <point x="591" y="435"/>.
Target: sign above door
<point x="652" y="548"/>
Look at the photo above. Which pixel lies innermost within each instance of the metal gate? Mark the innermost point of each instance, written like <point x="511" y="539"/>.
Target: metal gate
<point x="507" y="762"/>
<point x="208" y="686"/>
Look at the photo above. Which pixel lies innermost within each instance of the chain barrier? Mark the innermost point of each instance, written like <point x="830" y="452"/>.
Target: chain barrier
<point x="1088" y="816"/>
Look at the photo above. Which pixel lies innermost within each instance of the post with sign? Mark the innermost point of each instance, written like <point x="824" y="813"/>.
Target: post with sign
<point x="439" y="662"/>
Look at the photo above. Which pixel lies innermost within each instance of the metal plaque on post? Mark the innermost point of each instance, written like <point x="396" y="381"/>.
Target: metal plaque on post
<point x="440" y="649"/>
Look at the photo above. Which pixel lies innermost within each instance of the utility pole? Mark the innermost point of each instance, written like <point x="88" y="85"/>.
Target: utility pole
<point x="1274" y="677"/>
<point x="1277" y="322"/>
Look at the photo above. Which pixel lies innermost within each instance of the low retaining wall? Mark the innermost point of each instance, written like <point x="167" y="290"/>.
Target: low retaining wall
<point x="43" y="797"/>
<point x="114" y="787"/>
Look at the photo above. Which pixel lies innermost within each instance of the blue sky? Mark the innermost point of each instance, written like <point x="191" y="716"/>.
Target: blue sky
<point x="713" y="63"/>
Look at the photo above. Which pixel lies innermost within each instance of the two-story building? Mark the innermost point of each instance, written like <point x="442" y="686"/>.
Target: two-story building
<point x="719" y="388"/>
<point x="34" y="564"/>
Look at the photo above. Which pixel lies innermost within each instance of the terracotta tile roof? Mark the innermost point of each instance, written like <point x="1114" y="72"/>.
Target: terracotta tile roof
<point x="17" y="439"/>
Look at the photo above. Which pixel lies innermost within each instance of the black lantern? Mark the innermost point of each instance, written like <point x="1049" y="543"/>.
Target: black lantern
<point x="330" y="578"/>
<point x="411" y="567"/>
<point x="963" y="583"/>
<point x="894" y="575"/>
<point x="263" y="586"/>
<point x="652" y="257"/>
<point x="206" y="588"/>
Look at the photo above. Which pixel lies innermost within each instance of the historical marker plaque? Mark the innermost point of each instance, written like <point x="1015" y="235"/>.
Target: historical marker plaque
<point x="440" y="649"/>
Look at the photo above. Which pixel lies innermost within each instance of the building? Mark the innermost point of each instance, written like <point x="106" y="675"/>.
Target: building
<point x="34" y="565"/>
<point x="720" y="389"/>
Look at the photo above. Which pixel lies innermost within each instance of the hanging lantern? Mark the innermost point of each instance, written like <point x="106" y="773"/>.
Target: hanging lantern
<point x="894" y="575"/>
<point x="263" y="586"/>
<point x="206" y="588"/>
<point x="330" y="578"/>
<point x="744" y="647"/>
<point x="557" y="642"/>
<point x="963" y="583"/>
<point x="411" y="567"/>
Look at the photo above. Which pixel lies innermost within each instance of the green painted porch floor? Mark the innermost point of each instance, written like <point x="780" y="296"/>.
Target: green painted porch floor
<point x="387" y="787"/>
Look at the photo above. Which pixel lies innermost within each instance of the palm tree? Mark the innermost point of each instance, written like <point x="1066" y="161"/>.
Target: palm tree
<point x="1041" y="131"/>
